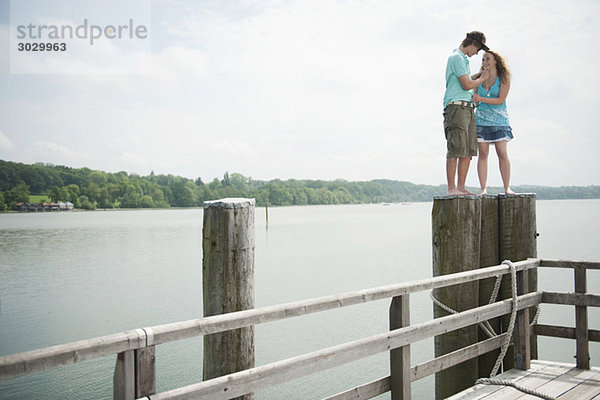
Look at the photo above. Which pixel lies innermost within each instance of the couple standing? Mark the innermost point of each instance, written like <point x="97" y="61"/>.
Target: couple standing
<point x="466" y="129"/>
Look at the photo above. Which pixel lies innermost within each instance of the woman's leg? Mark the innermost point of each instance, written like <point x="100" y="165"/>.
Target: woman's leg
<point x="501" y="150"/>
<point x="482" y="165"/>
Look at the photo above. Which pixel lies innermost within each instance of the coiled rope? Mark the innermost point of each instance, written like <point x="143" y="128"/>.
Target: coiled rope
<point x="489" y="330"/>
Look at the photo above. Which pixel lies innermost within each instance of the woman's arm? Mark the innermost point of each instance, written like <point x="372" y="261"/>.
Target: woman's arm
<point x="496" y="101"/>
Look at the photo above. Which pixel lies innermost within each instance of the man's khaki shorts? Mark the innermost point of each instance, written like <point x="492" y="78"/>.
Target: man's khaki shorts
<point x="460" y="130"/>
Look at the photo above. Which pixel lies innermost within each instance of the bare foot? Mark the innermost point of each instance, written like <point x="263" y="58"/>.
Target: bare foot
<point x="465" y="192"/>
<point x="454" y="192"/>
<point x="484" y="192"/>
<point x="509" y="191"/>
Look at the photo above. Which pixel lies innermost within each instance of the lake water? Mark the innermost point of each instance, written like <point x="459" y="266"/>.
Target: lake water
<point x="72" y="276"/>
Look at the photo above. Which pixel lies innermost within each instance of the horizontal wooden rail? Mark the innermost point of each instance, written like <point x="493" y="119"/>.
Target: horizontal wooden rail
<point x="571" y="299"/>
<point x="51" y="357"/>
<point x="254" y="379"/>
<point x="423" y="370"/>
<point x="569" y="264"/>
<point x="563" y="332"/>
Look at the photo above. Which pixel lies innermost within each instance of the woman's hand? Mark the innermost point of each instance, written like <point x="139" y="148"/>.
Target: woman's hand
<point x="476" y="98"/>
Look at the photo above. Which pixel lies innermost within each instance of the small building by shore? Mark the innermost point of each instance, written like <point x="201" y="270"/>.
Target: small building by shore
<point x="34" y="207"/>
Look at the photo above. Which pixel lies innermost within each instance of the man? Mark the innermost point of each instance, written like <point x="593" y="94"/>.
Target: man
<point x="459" y="116"/>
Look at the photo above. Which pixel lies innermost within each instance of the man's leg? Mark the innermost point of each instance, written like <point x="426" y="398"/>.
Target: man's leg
<point x="463" y="169"/>
<point x="450" y="176"/>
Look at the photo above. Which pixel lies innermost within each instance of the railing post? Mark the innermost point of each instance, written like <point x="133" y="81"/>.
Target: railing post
<point x="124" y="376"/>
<point x="581" y="322"/>
<point x="400" y="357"/>
<point x="145" y="372"/>
<point x="521" y="332"/>
<point x="228" y="283"/>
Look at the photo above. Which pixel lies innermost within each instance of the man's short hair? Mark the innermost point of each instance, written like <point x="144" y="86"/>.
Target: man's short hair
<point x="477" y="38"/>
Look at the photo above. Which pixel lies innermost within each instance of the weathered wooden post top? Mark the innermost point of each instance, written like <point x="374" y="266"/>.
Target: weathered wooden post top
<point x="228" y="282"/>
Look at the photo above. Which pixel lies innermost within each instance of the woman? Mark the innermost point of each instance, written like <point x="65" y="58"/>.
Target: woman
<point x="491" y="117"/>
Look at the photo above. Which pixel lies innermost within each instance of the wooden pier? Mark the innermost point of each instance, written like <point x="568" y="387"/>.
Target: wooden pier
<point x="134" y="350"/>
<point x="131" y="345"/>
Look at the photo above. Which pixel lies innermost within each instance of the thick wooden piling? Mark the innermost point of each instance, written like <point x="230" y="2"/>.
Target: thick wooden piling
<point x="489" y="255"/>
<point x="228" y="282"/>
<point x="518" y="241"/>
<point x="456" y="227"/>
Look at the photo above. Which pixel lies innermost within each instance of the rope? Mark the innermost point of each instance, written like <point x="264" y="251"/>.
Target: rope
<point x="504" y="382"/>
<point x="513" y="317"/>
<point x="487" y="328"/>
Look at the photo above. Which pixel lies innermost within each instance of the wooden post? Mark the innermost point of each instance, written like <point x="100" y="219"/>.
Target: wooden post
<point x="267" y="214"/>
<point x="456" y="226"/>
<point x="400" y="357"/>
<point x="489" y="255"/>
<point x="518" y="241"/>
<point x="228" y="283"/>
<point x="135" y="375"/>
<point x="145" y="372"/>
<point x="521" y="339"/>
<point x="124" y="377"/>
<point x="581" y="322"/>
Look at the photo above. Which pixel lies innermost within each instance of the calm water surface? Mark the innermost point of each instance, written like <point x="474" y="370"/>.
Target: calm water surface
<point x="72" y="276"/>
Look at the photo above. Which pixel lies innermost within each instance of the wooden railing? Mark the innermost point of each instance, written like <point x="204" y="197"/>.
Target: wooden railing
<point x="134" y="374"/>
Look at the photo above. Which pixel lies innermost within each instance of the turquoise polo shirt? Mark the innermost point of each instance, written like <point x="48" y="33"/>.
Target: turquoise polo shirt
<point x="458" y="65"/>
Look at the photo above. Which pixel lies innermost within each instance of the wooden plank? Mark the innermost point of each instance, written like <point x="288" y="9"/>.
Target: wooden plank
<point x="481" y="391"/>
<point x="564" y="332"/>
<point x="52" y="357"/>
<point x="581" y="322"/>
<point x="587" y="389"/>
<point x="400" y="357"/>
<point x="532" y="381"/>
<point x="363" y="392"/>
<point x="571" y="299"/>
<point x="569" y="264"/>
<point x="456" y="357"/>
<point x="272" y="374"/>
<point x="562" y="383"/>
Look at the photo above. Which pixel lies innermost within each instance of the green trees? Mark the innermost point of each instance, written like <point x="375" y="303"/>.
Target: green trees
<point x="90" y="189"/>
<point x="17" y="194"/>
<point x="3" y="205"/>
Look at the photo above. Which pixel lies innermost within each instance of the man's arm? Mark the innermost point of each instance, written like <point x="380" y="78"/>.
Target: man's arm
<point x="469" y="84"/>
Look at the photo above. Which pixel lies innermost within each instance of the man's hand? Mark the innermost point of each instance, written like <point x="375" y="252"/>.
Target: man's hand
<point x="485" y="75"/>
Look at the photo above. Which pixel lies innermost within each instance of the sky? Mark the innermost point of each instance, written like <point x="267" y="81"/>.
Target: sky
<point x="302" y="89"/>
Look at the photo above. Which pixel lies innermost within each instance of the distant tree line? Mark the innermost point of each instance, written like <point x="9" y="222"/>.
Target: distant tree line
<point x="91" y="189"/>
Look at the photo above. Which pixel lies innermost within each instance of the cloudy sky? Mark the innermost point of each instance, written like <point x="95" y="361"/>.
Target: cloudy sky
<point x="317" y="89"/>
